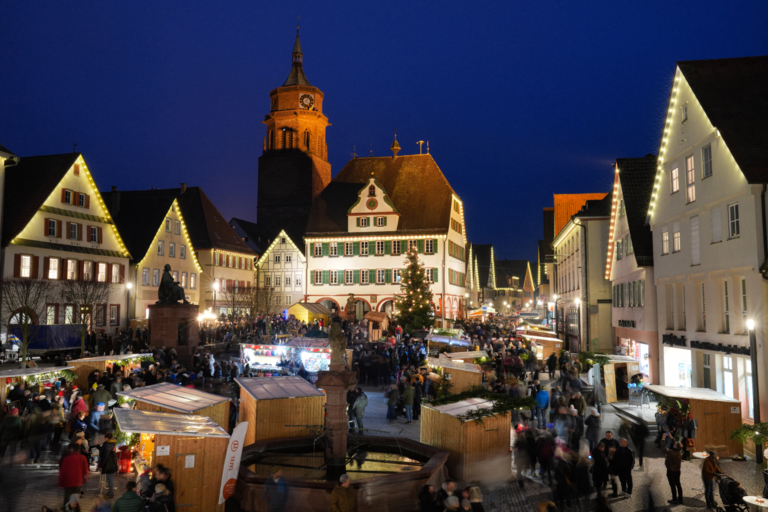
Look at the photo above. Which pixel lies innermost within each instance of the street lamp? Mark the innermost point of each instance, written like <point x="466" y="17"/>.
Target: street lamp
<point x="128" y="287"/>
<point x="755" y="389"/>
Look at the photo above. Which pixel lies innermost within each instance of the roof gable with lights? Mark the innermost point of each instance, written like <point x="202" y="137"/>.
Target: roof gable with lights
<point x="273" y="246"/>
<point x="171" y="213"/>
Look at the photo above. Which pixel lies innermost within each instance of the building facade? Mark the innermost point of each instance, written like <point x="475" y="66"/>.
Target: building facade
<point x="282" y="270"/>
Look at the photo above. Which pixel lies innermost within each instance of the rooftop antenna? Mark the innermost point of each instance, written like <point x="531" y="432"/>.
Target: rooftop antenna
<point x="427" y="147"/>
<point x="420" y="143"/>
<point x="354" y="151"/>
<point x="371" y="148"/>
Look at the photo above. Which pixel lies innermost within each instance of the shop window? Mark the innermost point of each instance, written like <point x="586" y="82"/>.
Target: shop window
<point x="750" y="391"/>
<point x="706" y="373"/>
<point x="726" y="309"/>
<point x="728" y="376"/>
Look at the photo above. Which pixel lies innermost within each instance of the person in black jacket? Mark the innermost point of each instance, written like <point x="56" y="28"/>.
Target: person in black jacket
<point x="624" y="461"/>
<point x="427" y="501"/>
<point x="599" y="467"/>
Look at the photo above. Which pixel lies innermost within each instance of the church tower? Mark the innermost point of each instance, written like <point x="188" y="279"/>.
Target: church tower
<point x="294" y="167"/>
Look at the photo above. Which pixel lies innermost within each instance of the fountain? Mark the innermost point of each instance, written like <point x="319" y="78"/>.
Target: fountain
<point x="387" y="472"/>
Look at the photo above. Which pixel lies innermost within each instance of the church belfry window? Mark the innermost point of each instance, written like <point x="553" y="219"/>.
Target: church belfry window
<point x="284" y="137"/>
<point x="307" y="140"/>
<point x="372" y="191"/>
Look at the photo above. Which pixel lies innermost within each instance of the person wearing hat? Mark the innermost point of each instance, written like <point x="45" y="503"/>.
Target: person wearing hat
<point x="161" y="499"/>
<point x="710" y="468"/>
<point x="101" y="395"/>
<point x="10" y="433"/>
<point x="344" y="496"/>
<point x="276" y="490"/>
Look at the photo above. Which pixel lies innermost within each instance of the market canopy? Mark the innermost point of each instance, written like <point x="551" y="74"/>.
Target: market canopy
<point x="465" y="355"/>
<point x="273" y="388"/>
<point x="462" y="407"/>
<point x="174" y="397"/>
<point x="690" y="393"/>
<point x="28" y="372"/>
<point x="165" y="423"/>
<point x="312" y="307"/>
<point x="447" y="363"/>
<point x="117" y="357"/>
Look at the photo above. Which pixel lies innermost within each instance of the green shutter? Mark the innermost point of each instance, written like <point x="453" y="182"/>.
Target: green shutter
<point x="388" y="276"/>
<point x="371" y="248"/>
<point x="434" y="274"/>
<point x="356" y="248"/>
<point x="420" y="245"/>
<point x="387" y="247"/>
<point x="325" y="248"/>
<point x="326" y="275"/>
<point x="357" y="221"/>
<point x="356" y="276"/>
<point x="434" y="245"/>
<point x="372" y="276"/>
<point x="385" y="220"/>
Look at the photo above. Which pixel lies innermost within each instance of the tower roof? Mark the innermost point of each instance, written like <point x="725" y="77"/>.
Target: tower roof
<point x="296" y="76"/>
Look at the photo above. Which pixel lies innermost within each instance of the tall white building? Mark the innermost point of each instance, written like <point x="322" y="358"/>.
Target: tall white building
<point x="708" y="216"/>
<point x="282" y="269"/>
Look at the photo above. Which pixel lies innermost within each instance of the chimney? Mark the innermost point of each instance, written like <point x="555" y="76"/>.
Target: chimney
<point x="115" y="201"/>
<point x="183" y="188"/>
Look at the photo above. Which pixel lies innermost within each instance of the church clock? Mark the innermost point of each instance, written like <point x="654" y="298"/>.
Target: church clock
<point x="372" y="203"/>
<point x="306" y="101"/>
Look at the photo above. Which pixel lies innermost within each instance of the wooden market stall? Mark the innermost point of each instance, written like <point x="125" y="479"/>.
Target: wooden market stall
<point x="465" y="357"/>
<point x="83" y="367"/>
<point x="462" y="375"/>
<point x="192" y="447"/>
<point x="378" y="323"/>
<point x="309" y="312"/>
<point x="24" y="374"/>
<point x="611" y="376"/>
<point x="170" y="398"/>
<point x="476" y="448"/>
<point x="718" y="415"/>
<point x="271" y="404"/>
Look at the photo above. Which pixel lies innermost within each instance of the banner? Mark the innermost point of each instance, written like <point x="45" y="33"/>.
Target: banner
<point x="232" y="462"/>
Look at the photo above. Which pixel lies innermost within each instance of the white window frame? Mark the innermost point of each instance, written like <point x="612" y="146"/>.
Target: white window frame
<point x="664" y="242"/>
<point x="52" y="227"/>
<point x="349" y="277"/>
<point x="73" y="232"/>
<point x="53" y="268"/>
<point x="348" y="249"/>
<point x="364" y="274"/>
<point x="145" y="276"/>
<point x="172" y="250"/>
<point x="50" y="314"/>
<point x="267" y="280"/>
<point x="318" y="277"/>
<point x="363" y="222"/>
<point x="184" y="276"/>
<point x="379" y="222"/>
<point x="364" y="248"/>
<point x="193" y="281"/>
<point x="396" y="247"/>
<point x="155" y="277"/>
<point x="396" y="274"/>
<point x="69" y="314"/>
<point x="288" y="300"/>
<point x="676" y="242"/>
<point x="619" y="249"/>
<point x="101" y="272"/>
<point x="429" y="246"/>
<point x="161" y="248"/>
<point x="115" y="274"/>
<point x="318" y="249"/>
<point x="413" y="244"/>
<point x="71" y="270"/>
<point x="297" y="281"/>
<point x="81" y="200"/>
<point x="734" y="229"/>
<point x="177" y="227"/>
<point x="277" y="258"/>
<point x="288" y="258"/>
<point x="674" y="180"/>
<point x="278" y="281"/>
<point x="379" y="247"/>
<point x="68" y="196"/>
<point x="726" y="309"/>
<point x="381" y="276"/>
<point x="333" y="277"/>
<point x="728" y="376"/>
<point x="333" y="249"/>
<point x="26" y="266"/>
<point x="706" y="161"/>
<point x="183" y="252"/>
<point x="690" y="179"/>
<point x="168" y="221"/>
<point x="743" y="287"/>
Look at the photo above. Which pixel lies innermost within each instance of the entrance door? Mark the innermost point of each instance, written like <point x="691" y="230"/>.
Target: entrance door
<point x="188" y="474"/>
<point x="609" y="371"/>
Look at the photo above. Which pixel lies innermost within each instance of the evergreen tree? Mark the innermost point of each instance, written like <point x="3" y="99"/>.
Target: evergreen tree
<point x="414" y="305"/>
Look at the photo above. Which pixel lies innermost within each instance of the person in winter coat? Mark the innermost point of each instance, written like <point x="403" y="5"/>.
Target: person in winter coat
<point x="394" y="396"/>
<point x="10" y="433"/>
<point x="361" y="402"/>
<point x="709" y="469"/>
<point x="545" y="452"/>
<point x="551" y="365"/>
<point x="427" y="501"/>
<point x="276" y="491"/>
<point x="446" y="491"/>
<point x="344" y="496"/>
<point x="408" y="396"/>
<point x="673" y="461"/>
<point x="599" y="467"/>
<point x="38" y="428"/>
<point x="624" y="461"/>
<point x="593" y="429"/>
<point x="73" y="474"/>
<point x="101" y="395"/>
<point x="108" y="463"/>
<point x="578" y="403"/>
<point x="129" y="501"/>
<point x="542" y="404"/>
<point x="78" y="405"/>
<point x="639" y="433"/>
<point x="161" y="499"/>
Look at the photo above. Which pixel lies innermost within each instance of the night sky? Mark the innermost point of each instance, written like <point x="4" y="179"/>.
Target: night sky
<point x="517" y="100"/>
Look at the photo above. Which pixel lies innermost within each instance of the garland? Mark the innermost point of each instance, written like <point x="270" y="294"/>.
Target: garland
<point x="502" y="403"/>
<point x="33" y="380"/>
<point x="123" y="362"/>
<point x="758" y="433"/>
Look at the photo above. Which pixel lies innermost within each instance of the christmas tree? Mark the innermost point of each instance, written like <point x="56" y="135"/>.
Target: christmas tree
<point x="414" y="304"/>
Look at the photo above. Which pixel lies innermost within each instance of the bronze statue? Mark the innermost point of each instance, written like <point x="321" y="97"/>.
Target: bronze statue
<point x="337" y="340"/>
<point x="350" y="308"/>
<point x="170" y="292"/>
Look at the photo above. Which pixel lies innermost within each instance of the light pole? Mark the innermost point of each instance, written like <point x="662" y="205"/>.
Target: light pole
<point x="578" y="319"/>
<point x="466" y="309"/>
<point x="755" y="388"/>
<point x="128" y="287"/>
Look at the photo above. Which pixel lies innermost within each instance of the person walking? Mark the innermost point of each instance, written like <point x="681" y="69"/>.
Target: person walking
<point x="361" y="402"/>
<point x="593" y="427"/>
<point x="673" y="461"/>
<point x="542" y="404"/>
<point x="408" y="396"/>
<point x="10" y="433"/>
<point x="599" y="467"/>
<point x="108" y="463"/>
<point x="710" y="468"/>
<point x="276" y="491"/>
<point x="392" y="399"/>
<point x="129" y="501"/>
<point x="625" y="461"/>
<point x="551" y="365"/>
<point x="639" y="433"/>
<point x="344" y="496"/>
<point x="73" y="474"/>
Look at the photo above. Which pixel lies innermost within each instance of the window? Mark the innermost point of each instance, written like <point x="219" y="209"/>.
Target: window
<point x="267" y="281"/>
<point x="282" y="239"/>
<point x="288" y="258"/>
<point x="364" y="276"/>
<point x="744" y="303"/>
<point x="380" y="276"/>
<point x="726" y="309"/>
<point x="674" y="178"/>
<point x="277" y="258"/>
<point x="622" y="210"/>
<point x="53" y="268"/>
<point x="334" y="249"/>
<point x="168" y="222"/>
<point x="161" y="248"/>
<point x="349" y="277"/>
<point x="750" y="391"/>
<point x="183" y="279"/>
<point x="372" y="191"/>
<point x="381" y="221"/>
<point x="155" y="277"/>
<point x="429" y="275"/>
<point x="175" y="275"/>
<point x="68" y="196"/>
<point x="706" y="160"/>
<point x="413" y="245"/>
<point x="429" y="246"/>
<point x="364" y="248"/>
<point x="114" y="314"/>
<point x="717" y="231"/>
<point x="619" y="249"/>
<point x="348" y="249"/>
<point x="26" y="266"/>
<point x="287" y="280"/>
<point x="69" y="314"/>
<point x="100" y="315"/>
<point x="50" y="315"/>
<point x="183" y="252"/>
<point x="73" y="235"/>
<point x="52" y="225"/>
<point x="695" y="248"/>
<point x="297" y="281"/>
<point x="703" y="310"/>
<point x="684" y="112"/>
<point x="334" y="276"/>
<point x="81" y="200"/>
<point x="395" y="246"/>
<point x="363" y="222"/>
<point x="690" y="179"/>
<point x="733" y="220"/>
<point x="172" y="250"/>
<point x="177" y="227"/>
<point x="318" y="249"/>
<point x="145" y="276"/>
<point x="115" y="274"/>
<point x="676" y="241"/>
<point x="229" y="261"/>
<point x="628" y="245"/>
<point x="71" y="269"/>
<point x="192" y="281"/>
<point x="664" y="241"/>
<point x="278" y="281"/>
<point x="396" y="275"/>
<point x="288" y="300"/>
<point x="318" y="277"/>
<point x="728" y="375"/>
<point x="379" y="247"/>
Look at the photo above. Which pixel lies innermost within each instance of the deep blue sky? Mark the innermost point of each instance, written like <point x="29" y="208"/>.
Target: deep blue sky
<point x="518" y="100"/>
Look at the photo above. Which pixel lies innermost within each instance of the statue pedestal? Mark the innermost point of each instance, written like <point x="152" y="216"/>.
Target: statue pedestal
<point x="175" y="325"/>
<point x="336" y="382"/>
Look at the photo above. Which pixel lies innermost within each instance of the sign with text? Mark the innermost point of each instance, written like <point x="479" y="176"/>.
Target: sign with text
<point x="163" y="450"/>
<point x="232" y="462"/>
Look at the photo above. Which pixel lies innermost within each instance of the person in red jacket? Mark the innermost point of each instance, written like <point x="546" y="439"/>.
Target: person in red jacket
<point x="73" y="474"/>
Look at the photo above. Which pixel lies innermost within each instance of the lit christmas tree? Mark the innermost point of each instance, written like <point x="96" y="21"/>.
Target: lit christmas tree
<point x="414" y="304"/>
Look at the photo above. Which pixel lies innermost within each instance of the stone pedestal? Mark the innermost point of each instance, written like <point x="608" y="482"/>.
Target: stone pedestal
<point x="175" y="325"/>
<point x="336" y="382"/>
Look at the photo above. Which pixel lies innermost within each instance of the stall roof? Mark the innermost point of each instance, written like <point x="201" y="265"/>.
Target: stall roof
<point x="376" y="316"/>
<point x="691" y="393"/>
<point x="465" y="355"/>
<point x="462" y="407"/>
<point x="28" y="372"/>
<point x="166" y="423"/>
<point x="118" y="357"/>
<point x="317" y="309"/>
<point x="447" y="363"/>
<point x="172" y="396"/>
<point x="309" y="343"/>
<point x="273" y="388"/>
<point x="621" y="359"/>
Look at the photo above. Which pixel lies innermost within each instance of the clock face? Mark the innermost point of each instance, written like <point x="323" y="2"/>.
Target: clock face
<point x="307" y="101"/>
<point x="372" y="204"/>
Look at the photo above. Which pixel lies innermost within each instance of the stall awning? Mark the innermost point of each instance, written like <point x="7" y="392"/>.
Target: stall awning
<point x="691" y="393"/>
<point x="462" y="407"/>
<point x="465" y="355"/>
<point x="28" y="372"/>
<point x="376" y="316"/>
<point x="621" y="359"/>
<point x="118" y="357"/>
<point x="317" y="309"/>
<point x="273" y="388"/>
<point x="166" y="423"/>
<point x="447" y="363"/>
<point x="171" y="396"/>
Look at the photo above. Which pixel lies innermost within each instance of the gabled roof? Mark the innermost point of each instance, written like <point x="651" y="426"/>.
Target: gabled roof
<point x="27" y="186"/>
<point x="264" y="235"/>
<point x="3" y="149"/>
<point x="507" y="269"/>
<point x="732" y="93"/>
<point x="567" y="205"/>
<point x="414" y="183"/>
<point x="483" y="256"/>
<point x="637" y="176"/>
<point x="596" y="208"/>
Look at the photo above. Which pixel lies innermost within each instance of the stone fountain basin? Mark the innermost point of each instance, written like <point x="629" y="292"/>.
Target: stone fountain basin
<point x="379" y="493"/>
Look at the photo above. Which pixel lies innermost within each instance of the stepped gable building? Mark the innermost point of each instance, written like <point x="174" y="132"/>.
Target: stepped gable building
<point x="368" y="217"/>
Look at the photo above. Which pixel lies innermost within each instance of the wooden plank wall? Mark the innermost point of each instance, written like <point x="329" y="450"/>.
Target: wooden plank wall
<point x="716" y="422"/>
<point x="84" y="369"/>
<point x="248" y="413"/>
<point x="272" y="416"/>
<point x="463" y="381"/>
<point x="445" y="432"/>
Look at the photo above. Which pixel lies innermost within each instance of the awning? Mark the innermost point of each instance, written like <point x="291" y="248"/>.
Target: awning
<point x="132" y="421"/>
<point x="273" y="388"/>
<point x="171" y="396"/>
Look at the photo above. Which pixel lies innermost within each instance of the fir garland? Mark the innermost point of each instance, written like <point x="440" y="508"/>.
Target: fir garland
<point x="502" y="403"/>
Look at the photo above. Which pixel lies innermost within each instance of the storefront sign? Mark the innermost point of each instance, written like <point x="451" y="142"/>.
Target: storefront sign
<point x="636" y="396"/>
<point x="719" y="347"/>
<point x="163" y="451"/>
<point x="630" y="324"/>
<point x="736" y="410"/>
<point x="673" y="341"/>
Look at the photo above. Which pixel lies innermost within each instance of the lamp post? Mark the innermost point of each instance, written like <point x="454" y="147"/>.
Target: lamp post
<point x="578" y="319"/>
<point x="128" y="287"/>
<point x="466" y="309"/>
<point x="755" y="388"/>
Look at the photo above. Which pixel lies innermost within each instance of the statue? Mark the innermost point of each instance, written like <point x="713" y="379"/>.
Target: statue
<point x="337" y="340"/>
<point x="350" y="308"/>
<point x="169" y="292"/>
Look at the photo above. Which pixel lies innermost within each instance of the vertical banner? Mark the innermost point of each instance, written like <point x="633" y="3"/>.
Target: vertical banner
<point x="232" y="462"/>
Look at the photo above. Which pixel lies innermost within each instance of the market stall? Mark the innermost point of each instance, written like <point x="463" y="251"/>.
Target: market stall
<point x="170" y="398"/>
<point x="192" y="447"/>
<point x="717" y="415"/>
<point x="309" y="312"/>
<point x="465" y="357"/>
<point x="275" y="360"/>
<point x="461" y="375"/>
<point x="544" y="345"/>
<point x="479" y="450"/>
<point x="43" y="377"/>
<point x="378" y="323"/>
<point x="613" y="374"/>
<point x="83" y="367"/>
<point x="279" y="407"/>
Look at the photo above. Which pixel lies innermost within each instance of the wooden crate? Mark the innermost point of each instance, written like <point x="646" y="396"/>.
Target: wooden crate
<point x="476" y="449"/>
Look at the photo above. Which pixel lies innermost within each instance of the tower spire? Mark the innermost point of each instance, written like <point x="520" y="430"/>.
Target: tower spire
<point x="296" y="76"/>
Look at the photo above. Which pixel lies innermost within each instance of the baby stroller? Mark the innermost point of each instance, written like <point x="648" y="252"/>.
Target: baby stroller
<point x="731" y="494"/>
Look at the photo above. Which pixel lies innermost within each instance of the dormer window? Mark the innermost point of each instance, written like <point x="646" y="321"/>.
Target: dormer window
<point x="372" y="191"/>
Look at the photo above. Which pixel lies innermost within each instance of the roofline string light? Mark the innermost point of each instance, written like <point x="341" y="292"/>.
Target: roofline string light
<point x="104" y="209"/>
<point x="662" y="147"/>
<point x="264" y="258"/>
<point x="614" y="222"/>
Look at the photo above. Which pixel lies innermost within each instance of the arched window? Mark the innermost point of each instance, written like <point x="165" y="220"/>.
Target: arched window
<point x="372" y="191"/>
<point x="290" y="139"/>
<point x="307" y="140"/>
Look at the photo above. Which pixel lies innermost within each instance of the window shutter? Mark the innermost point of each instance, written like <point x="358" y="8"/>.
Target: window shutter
<point x="88" y="205"/>
<point x="100" y="234"/>
<point x="326" y="274"/>
<point x="64" y="196"/>
<point x="388" y="275"/>
<point x="45" y="226"/>
<point x="388" y="247"/>
<point x="88" y="233"/>
<point x="356" y="276"/>
<point x="434" y="247"/>
<point x="420" y="245"/>
<point x="434" y="274"/>
<point x="122" y="274"/>
<point x="35" y="267"/>
<point x="46" y="266"/>
<point x="695" y="252"/>
<point x="58" y="228"/>
<point x="357" y="221"/>
<point x="68" y="224"/>
<point x="62" y="269"/>
<point x="95" y="271"/>
<point x="80" y="232"/>
<point x="325" y="248"/>
<point x="356" y="248"/>
<point x="372" y="276"/>
<point x="17" y="265"/>
<point x="385" y="220"/>
<point x="717" y="230"/>
<point x="371" y="248"/>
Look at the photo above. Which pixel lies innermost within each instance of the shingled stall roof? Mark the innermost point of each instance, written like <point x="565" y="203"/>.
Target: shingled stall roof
<point x="273" y="388"/>
<point x="173" y="397"/>
<point x="732" y="93"/>
<point x="483" y="254"/>
<point x="507" y="269"/>
<point x="27" y="186"/>
<point x="414" y="183"/>
<point x="637" y="176"/>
